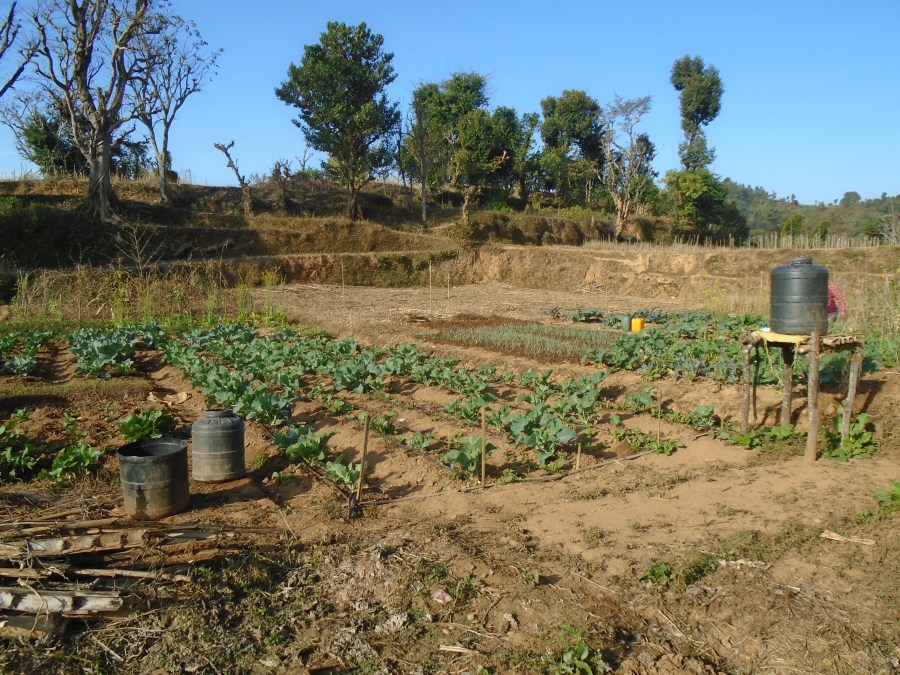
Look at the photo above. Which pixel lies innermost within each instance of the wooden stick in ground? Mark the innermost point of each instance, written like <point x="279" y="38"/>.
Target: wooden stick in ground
<point x="755" y="384"/>
<point x="812" y="436"/>
<point x="362" y="465"/>
<point x="745" y="392"/>
<point x="578" y="458"/>
<point x="429" y="289"/>
<point x="855" y="366"/>
<point x="342" y="275"/>
<point x="484" y="446"/>
<point x="787" y="376"/>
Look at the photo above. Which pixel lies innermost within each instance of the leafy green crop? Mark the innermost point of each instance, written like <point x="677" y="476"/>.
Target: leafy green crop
<point x="418" y="441"/>
<point x="467" y="454"/>
<point x="301" y="442"/>
<point x="73" y="459"/>
<point x="22" y="364"/>
<point x="19" y="455"/>
<point x="98" y="351"/>
<point x="348" y="474"/>
<point x="540" y="430"/>
<point x="859" y="442"/>
<point x="147" y="424"/>
<point x="889" y="500"/>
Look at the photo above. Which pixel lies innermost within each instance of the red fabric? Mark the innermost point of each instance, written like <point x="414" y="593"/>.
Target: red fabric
<point x="836" y="302"/>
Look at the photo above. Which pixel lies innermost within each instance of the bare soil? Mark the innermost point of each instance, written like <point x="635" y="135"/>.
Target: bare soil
<point x="710" y="560"/>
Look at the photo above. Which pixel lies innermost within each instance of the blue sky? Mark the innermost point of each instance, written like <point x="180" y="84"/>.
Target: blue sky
<point x="812" y="88"/>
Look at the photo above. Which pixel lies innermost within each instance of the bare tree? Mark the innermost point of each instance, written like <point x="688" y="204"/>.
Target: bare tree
<point x="9" y="33"/>
<point x="626" y="155"/>
<point x="87" y="52"/>
<point x="281" y="177"/>
<point x="242" y="180"/>
<point x="180" y="64"/>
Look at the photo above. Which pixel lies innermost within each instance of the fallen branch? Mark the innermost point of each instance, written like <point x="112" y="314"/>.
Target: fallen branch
<point x="834" y="536"/>
<point x="132" y="574"/>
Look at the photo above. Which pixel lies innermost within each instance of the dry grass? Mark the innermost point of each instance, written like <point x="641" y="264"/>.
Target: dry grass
<point x="90" y="294"/>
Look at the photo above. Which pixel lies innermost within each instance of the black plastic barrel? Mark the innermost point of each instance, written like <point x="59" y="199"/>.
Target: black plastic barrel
<point x="154" y="475"/>
<point x="218" y="446"/>
<point x="799" y="298"/>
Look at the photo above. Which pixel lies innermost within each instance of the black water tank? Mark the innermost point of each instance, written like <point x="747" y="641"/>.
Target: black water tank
<point x="799" y="298"/>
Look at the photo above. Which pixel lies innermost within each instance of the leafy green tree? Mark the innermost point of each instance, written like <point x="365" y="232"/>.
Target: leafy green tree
<point x="46" y="141"/>
<point x="423" y="149"/>
<point x="820" y="231"/>
<point x="701" y="91"/>
<point x="571" y="132"/>
<point x="480" y="154"/>
<point x="44" y="137"/>
<point x="792" y="225"/>
<point x="698" y="202"/>
<point x="339" y="89"/>
<point x="517" y="135"/>
<point x="450" y="101"/>
<point x="851" y="198"/>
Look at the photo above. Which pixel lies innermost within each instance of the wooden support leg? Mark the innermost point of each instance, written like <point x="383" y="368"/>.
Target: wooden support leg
<point x="756" y="382"/>
<point x="787" y="354"/>
<point x="745" y="392"/>
<point x="812" y="437"/>
<point x="855" y="366"/>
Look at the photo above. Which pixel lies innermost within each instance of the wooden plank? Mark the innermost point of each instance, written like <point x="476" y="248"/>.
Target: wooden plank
<point x="69" y="603"/>
<point x="17" y="626"/>
<point x="74" y="545"/>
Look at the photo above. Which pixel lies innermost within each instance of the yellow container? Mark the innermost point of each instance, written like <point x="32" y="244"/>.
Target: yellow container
<point x="637" y="324"/>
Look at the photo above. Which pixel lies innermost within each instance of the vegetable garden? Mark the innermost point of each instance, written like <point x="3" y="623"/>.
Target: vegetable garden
<point x="570" y="405"/>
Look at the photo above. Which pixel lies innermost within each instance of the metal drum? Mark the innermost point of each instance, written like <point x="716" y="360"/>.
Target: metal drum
<point x="218" y="446"/>
<point x="154" y="475"/>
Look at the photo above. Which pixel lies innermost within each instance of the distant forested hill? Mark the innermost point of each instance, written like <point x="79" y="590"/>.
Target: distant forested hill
<point x="851" y="215"/>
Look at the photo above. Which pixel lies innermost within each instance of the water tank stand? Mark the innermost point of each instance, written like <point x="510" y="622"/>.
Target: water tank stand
<point x="790" y="346"/>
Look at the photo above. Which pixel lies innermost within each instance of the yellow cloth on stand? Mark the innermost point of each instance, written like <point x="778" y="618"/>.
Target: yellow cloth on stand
<point x="769" y="336"/>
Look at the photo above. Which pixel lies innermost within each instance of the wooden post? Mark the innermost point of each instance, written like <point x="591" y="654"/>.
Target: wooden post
<point x="484" y="446"/>
<point x="745" y="394"/>
<point x="787" y="375"/>
<point x="578" y="458"/>
<point x="755" y="383"/>
<point x="342" y="274"/>
<point x="812" y="435"/>
<point x="855" y="366"/>
<point x="362" y="464"/>
<point x="429" y="288"/>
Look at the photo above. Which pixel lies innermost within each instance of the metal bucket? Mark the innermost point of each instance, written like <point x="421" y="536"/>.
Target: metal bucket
<point x="154" y="477"/>
<point x="218" y="446"/>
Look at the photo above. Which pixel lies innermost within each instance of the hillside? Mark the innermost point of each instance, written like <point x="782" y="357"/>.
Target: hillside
<point x="766" y="213"/>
